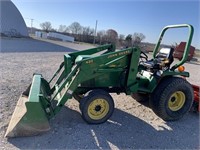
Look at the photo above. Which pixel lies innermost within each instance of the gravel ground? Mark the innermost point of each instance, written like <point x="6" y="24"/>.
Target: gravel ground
<point x="33" y="44"/>
<point x="132" y="126"/>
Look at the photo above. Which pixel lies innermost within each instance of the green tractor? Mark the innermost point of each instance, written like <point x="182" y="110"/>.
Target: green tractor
<point x="90" y="76"/>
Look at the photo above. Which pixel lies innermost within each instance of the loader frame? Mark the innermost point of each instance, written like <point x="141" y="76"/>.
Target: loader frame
<point x="65" y="86"/>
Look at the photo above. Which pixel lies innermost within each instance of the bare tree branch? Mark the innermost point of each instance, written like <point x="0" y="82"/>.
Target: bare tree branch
<point x="75" y="28"/>
<point x="46" y="26"/>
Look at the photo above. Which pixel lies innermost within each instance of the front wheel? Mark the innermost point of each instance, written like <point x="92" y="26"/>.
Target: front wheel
<point x="172" y="98"/>
<point x="97" y="108"/>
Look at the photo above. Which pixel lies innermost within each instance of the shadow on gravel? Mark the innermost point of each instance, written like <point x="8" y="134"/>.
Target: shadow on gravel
<point x="31" y="45"/>
<point x="194" y="63"/>
<point x="122" y="131"/>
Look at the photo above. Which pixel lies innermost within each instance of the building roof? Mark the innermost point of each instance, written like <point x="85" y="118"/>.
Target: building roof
<point x="11" y="21"/>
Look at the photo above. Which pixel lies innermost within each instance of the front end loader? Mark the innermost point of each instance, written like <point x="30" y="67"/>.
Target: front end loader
<point x="90" y="75"/>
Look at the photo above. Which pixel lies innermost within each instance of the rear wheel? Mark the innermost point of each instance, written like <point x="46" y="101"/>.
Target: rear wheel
<point x="172" y="99"/>
<point x="97" y="107"/>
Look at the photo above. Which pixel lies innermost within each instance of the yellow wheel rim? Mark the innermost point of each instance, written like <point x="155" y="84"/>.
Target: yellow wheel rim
<point x="176" y="101"/>
<point x="98" y="109"/>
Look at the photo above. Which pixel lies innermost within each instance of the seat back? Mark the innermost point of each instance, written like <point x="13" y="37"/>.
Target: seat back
<point x="166" y="54"/>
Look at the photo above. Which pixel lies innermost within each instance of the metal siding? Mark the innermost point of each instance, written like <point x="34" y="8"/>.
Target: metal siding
<point x="11" y="20"/>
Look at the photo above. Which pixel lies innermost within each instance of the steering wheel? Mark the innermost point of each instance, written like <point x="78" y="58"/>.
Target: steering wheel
<point x="143" y="55"/>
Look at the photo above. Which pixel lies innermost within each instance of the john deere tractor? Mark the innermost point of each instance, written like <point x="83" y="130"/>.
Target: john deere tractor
<point x="90" y="76"/>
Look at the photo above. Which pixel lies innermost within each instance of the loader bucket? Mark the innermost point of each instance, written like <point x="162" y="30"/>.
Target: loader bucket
<point x="29" y="117"/>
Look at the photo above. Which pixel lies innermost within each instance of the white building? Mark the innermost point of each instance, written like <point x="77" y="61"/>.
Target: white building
<point x="60" y="36"/>
<point x="12" y="23"/>
<point x="53" y="35"/>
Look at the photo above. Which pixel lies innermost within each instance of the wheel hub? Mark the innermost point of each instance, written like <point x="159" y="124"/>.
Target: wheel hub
<point x="98" y="109"/>
<point x="176" y="101"/>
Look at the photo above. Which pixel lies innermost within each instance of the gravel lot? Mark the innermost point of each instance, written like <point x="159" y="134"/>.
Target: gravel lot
<point x="13" y="45"/>
<point x="132" y="126"/>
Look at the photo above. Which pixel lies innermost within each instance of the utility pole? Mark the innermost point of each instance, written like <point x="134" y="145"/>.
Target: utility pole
<point x="95" y="31"/>
<point x="32" y="26"/>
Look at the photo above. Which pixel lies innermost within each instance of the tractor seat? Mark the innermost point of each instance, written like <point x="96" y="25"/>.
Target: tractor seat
<point x="164" y="58"/>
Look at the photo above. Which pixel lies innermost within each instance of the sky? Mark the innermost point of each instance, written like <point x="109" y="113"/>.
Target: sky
<point x="124" y="16"/>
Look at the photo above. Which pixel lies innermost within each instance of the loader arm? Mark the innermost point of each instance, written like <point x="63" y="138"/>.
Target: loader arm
<point x="108" y="47"/>
<point x="91" y="68"/>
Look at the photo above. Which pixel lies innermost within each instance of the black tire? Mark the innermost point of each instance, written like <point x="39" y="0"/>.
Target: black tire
<point x="92" y="105"/>
<point x="172" y="98"/>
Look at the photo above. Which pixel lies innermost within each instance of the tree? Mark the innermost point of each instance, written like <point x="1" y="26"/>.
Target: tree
<point x="112" y="36"/>
<point x="137" y="38"/>
<point x="87" y="34"/>
<point x="75" y="28"/>
<point x="87" y="31"/>
<point x="46" y="26"/>
<point x="128" y="40"/>
<point x="101" y="33"/>
<point x="101" y="36"/>
<point x="62" y="28"/>
<point x="121" y="39"/>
